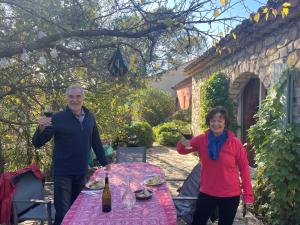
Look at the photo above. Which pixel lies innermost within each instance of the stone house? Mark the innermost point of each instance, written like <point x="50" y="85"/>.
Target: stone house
<point x="253" y="62"/>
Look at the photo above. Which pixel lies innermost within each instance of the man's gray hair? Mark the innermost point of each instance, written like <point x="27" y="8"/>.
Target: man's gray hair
<point x="75" y="86"/>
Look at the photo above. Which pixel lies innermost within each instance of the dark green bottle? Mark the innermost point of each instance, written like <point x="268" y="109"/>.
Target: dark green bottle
<point x="106" y="196"/>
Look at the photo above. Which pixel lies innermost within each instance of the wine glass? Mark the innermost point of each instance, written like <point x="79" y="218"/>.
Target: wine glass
<point x="128" y="197"/>
<point x="187" y="136"/>
<point x="48" y="112"/>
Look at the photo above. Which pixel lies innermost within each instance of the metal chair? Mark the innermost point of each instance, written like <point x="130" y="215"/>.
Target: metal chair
<point x="185" y="201"/>
<point x="28" y="200"/>
<point x="131" y="154"/>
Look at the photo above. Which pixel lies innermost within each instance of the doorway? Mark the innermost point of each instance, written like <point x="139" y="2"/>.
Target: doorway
<point x="251" y="97"/>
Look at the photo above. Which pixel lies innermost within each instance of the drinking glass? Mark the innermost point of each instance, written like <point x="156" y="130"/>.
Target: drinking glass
<point x="187" y="135"/>
<point x="48" y="112"/>
<point x="128" y="197"/>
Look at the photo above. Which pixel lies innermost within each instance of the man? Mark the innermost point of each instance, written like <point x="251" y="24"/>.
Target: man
<point x="75" y="132"/>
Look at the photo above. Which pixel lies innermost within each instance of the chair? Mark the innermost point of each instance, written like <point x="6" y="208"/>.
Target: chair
<point x="131" y="154"/>
<point x="28" y="200"/>
<point x="185" y="201"/>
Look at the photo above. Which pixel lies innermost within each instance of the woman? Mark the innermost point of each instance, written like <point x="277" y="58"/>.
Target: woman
<point x="224" y="161"/>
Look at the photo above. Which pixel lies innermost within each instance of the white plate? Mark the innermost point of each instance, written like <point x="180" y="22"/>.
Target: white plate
<point x="154" y="181"/>
<point x="95" y="185"/>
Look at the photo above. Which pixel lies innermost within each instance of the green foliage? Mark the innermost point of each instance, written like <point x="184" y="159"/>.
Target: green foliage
<point x="110" y="110"/>
<point x="277" y="147"/>
<point x="143" y="132"/>
<point x="168" y="138"/>
<point x="21" y="110"/>
<point x="167" y="134"/>
<point x="215" y="92"/>
<point x="152" y="105"/>
<point x="183" y="115"/>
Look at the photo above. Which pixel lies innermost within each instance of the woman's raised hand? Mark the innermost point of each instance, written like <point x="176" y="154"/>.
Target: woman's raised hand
<point x="185" y="142"/>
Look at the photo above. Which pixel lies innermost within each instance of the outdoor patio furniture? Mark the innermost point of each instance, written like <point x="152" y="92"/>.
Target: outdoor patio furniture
<point x="158" y="209"/>
<point x="185" y="202"/>
<point x="28" y="200"/>
<point x="131" y="154"/>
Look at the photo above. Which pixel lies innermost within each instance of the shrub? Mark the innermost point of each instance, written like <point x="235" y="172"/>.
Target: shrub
<point x="183" y="115"/>
<point x="215" y="92"/>
<point x="276" y="143"/>
<point x="169" y="138"/>
<point x="170" y="132"/>
<point x="143" y="133"/>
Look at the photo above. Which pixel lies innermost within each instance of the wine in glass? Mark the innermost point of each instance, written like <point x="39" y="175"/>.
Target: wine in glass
<point x="48" y="111"/>
<point x="187" y="136"/>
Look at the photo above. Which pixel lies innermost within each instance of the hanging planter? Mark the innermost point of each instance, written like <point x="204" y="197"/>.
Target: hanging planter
<point x="118" y="64"/>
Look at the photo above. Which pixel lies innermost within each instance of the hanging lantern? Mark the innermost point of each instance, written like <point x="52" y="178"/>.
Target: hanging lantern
<point x="118" y="64"/>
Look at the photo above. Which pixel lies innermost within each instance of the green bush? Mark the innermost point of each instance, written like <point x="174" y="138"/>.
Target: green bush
<point x="142" y="131"/>
<point x="277" y="147"/>
<point x="169" y="131"/>
<point x="183" y="115"/>
<point x="169" y="138"/>
<point x="215" y="92"/>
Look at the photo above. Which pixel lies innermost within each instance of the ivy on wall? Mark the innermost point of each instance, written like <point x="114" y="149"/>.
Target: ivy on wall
<point x="277" y="147"/>
<point x="215" y="92"/>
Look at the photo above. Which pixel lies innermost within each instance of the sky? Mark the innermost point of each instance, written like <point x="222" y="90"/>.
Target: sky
<point x="253" y="5"/>
<point x="244" y="9"/>
<point x="240" y="8"/>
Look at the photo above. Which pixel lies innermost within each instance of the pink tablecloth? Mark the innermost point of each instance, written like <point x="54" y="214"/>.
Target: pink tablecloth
<point x="159" y="210"/>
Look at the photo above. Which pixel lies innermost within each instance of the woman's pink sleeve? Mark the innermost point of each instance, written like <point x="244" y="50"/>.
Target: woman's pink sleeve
<point x="183" y="150"/>
<point x="243" y="164"/>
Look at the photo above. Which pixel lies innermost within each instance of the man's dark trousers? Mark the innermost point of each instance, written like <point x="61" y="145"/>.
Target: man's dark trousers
<point x="66" y="190"/>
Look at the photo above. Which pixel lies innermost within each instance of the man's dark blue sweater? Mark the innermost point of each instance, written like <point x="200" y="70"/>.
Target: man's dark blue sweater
<point x="72" y="142"/>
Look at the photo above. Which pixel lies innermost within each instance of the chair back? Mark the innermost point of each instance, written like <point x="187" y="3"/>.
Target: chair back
<point x="191" y="185"/>
<point x="131" y="154"/>
<point x="190" y="188"/>
<point x="28" y="187"/>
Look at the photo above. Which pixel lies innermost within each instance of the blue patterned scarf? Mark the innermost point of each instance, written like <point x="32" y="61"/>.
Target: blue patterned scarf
<point x="215" y="144"/>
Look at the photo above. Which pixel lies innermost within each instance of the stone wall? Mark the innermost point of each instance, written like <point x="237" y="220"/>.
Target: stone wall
<point x="279" y="47"/>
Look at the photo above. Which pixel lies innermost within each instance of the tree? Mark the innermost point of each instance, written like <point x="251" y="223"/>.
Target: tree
<point x="87" y="31"/>
<point x="152" y="105"/>
<point x="215" y="92"/>
<point x="48" y="44"/>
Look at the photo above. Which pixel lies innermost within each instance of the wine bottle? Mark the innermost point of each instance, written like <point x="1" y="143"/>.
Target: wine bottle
<point x="106" y="196"/>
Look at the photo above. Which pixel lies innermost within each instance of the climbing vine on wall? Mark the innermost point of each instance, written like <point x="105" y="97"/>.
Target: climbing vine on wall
<point x="215" y="92"/>
<point x="277" y="147"/>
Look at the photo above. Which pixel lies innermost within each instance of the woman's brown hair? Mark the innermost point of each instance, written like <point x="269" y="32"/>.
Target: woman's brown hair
<point x="215" y="110"/>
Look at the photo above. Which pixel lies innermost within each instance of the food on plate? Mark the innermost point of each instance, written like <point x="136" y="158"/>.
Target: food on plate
<point x="143" y="194"/>
<point x="146" y="193"/>
<point x="154" y="180"/>
<point x="95" y="184"/>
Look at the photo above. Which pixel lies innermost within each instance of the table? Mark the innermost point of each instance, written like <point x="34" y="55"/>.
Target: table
<point x="159" y="210"/>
